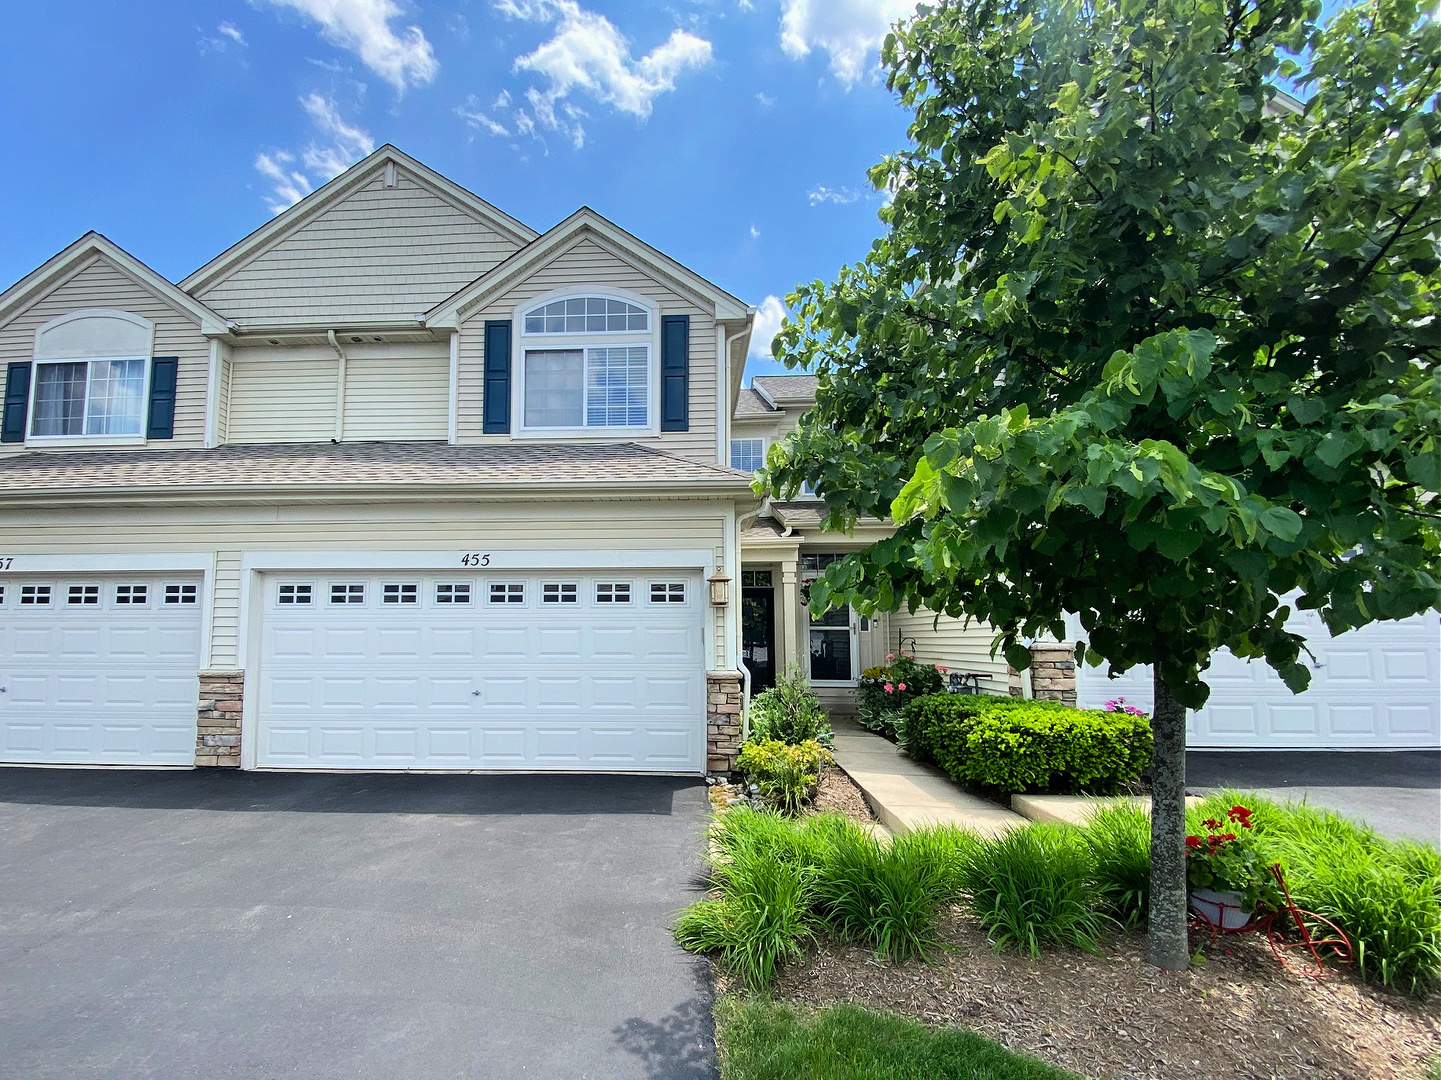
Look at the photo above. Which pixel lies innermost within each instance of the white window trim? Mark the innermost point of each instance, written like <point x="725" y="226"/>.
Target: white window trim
<point x="86" y="440"/>
<point x="521" y="341"/>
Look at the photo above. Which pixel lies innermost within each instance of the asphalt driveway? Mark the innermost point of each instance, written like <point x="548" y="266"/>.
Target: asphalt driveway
<point x="215" y="925"/>
<point x="1397" y="793"/>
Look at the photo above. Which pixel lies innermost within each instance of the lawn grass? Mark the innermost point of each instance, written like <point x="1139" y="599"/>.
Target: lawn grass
<point x="760" y="1040"/>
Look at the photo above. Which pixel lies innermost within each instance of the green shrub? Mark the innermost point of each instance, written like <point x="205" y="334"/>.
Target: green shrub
<point x="1034" y="887"/>
<point x="1010" y="745"/>
<point x="785" y="774"/>
<point x="790" y="712"/>
<point x="1386" y="897"/>
<point x="1120" y="841"/>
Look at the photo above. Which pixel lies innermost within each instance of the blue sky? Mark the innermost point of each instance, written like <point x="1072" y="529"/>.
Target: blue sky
<point x="733" y="134"/>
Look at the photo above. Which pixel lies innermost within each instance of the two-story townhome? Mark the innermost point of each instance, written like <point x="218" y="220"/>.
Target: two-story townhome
<point x="395" y="482"/>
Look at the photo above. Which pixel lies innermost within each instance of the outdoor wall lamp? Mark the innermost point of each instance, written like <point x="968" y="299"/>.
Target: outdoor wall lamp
<point x="720" y="589"/>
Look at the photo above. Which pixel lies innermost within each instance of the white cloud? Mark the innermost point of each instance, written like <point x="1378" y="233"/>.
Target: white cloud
<point x="587" y="55"/>
<point x="755" y="233"/>
<point x="764" y="100"/>
<point x="402" y="58"/>
<point x="769" y="315"/>
<point x="471" y="114"/>
<point x="840" y="196"/>
<point x="848" y="31"/>
<point x="227" y="36"/>
<point x="338" y="145"/>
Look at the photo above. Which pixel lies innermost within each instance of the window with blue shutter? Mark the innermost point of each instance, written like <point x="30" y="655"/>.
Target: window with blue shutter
<point x="163" y="370"/>
<point x="675" y="373"/>
<point x="17" y="400"/>
<point x="495" y="399"/>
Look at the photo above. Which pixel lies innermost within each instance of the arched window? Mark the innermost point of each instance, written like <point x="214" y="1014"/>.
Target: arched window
<point x="587" y="315"/>
<point x="586" y="364"/>
<point x="91" y="372"/>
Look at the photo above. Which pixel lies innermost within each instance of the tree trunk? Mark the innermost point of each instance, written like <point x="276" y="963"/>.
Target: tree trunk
<point x="1166" y="942"/>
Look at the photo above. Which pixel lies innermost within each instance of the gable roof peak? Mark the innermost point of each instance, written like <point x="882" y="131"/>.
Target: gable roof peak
<point x="335" y="191"/>
<point x="56" y="268"/>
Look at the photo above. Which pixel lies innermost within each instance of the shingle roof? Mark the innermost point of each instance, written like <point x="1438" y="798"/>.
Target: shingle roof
<point x="749" y="403"/>
<point x="363" y="464"/>
<point x="766" y="528"/>
<point x="809" y="513"/>
<point x="787" y="386"/>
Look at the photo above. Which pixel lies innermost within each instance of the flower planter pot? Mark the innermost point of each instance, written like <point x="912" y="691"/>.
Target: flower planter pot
<point x="1222" y="910"/>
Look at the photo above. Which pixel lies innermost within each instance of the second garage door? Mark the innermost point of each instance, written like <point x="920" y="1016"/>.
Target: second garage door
<point x="578" y="672"/>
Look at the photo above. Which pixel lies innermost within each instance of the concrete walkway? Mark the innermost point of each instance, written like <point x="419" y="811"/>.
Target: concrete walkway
<point x="906" y="794"/>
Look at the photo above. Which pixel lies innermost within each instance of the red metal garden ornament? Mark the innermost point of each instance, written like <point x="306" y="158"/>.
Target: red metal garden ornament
<point x="1301" y="940"/>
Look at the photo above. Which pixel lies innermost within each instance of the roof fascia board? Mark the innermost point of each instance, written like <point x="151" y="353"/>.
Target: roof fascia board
<point x="64" y="265"/>
<point x="322" y="198"/>
<point x="554" y="242"/>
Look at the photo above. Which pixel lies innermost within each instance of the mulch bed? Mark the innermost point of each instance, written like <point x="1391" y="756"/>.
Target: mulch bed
<point x="1114" y="1017"/>
<point x="838" y="793"/>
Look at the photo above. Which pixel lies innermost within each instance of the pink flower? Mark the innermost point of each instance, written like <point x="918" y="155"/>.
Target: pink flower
<point x="941" y="669"/>
<point x="903" y="686"/>
<point x="890" y="656"/>
<point x="891" y="689"/>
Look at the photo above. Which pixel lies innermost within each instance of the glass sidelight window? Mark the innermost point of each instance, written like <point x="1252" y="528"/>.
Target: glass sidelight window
<point x="832" y="647"/>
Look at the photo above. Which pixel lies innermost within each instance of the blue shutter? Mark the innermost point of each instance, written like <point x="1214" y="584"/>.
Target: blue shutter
<point x="675" y="373"/>
<point x="17" y="400"/>
<point x="496" y="393"/>
<point x="162" y="397"/>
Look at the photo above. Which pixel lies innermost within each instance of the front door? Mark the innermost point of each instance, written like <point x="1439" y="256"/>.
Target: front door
<point x="758" y="631"/>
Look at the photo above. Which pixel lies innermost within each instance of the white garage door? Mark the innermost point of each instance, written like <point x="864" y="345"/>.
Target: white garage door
<point x="1378" y="687"/>
<point x="99" y="670"/>
<point x="556" y="671"/>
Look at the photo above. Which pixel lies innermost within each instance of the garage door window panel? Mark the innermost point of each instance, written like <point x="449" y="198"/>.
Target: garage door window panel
<point x="400" y="593"/>
<point x="292" y="595"/>
<point x="131" y="595"/>
<point x="617" y="592"/>
<point x="507" y="592"/>
<point x="566" y="592"/>
<point x="344" y="593"/>
<point x="86" y="595"/>
<point x="667" y="592"/>
<point x="181" y="594"/>
<point x="35" y="595"/>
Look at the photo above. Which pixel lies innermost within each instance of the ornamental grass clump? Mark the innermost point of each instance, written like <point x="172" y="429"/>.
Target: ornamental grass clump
<point x="1034" y="888"/>
<point x="1119" y="838"/>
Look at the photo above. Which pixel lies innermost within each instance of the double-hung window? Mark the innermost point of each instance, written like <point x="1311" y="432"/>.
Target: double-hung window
<point x="587" y="364"/>
<point x="76" y="398"/>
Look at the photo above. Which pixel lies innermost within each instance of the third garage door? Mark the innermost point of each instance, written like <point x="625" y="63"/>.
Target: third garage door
<point x="579" y="672"/>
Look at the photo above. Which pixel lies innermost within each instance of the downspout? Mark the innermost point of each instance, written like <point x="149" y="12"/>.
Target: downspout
<point x="339" y="386"/>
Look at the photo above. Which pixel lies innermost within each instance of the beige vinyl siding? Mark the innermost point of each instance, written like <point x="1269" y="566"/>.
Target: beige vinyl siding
<point x="380" y="255"/>
<point x="386" y="400"/>
<point x="460" y="527"/>
<point x="98" y="283"/>
<point x="952" y="643"/>
<point x="591" y="263"/>
<point x="282" y="400"/>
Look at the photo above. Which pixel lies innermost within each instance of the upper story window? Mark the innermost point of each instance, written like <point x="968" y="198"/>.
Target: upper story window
<point x="748" y="455"/>
<point x="587" y="315"/>
<point x="89" y="397"/>
<point x="91" y="376"/>
<point x="570" y="384"/>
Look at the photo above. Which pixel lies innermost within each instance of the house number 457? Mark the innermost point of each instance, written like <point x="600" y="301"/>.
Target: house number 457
<point x="473" y="559"/>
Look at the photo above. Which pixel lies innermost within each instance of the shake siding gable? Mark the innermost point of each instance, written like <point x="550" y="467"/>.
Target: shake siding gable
<point x="590" y="263"/>
<point x="98" y="283"/>
<point x="380" y="255"/>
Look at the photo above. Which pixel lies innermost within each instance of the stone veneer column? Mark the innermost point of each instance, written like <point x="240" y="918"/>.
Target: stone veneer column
<point x="218" y="739"/>
<point x="1053" y="672"/>
<point x="722" y="720"/>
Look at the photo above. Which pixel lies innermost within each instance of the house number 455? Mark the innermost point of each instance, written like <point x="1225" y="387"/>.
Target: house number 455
<point x="473" y="559"/>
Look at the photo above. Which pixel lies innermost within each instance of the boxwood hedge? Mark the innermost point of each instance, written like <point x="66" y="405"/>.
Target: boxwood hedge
<point x="1014" y="745"/>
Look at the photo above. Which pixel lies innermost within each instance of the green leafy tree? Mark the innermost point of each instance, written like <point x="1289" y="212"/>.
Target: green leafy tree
<point x="1144" y="341"/>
